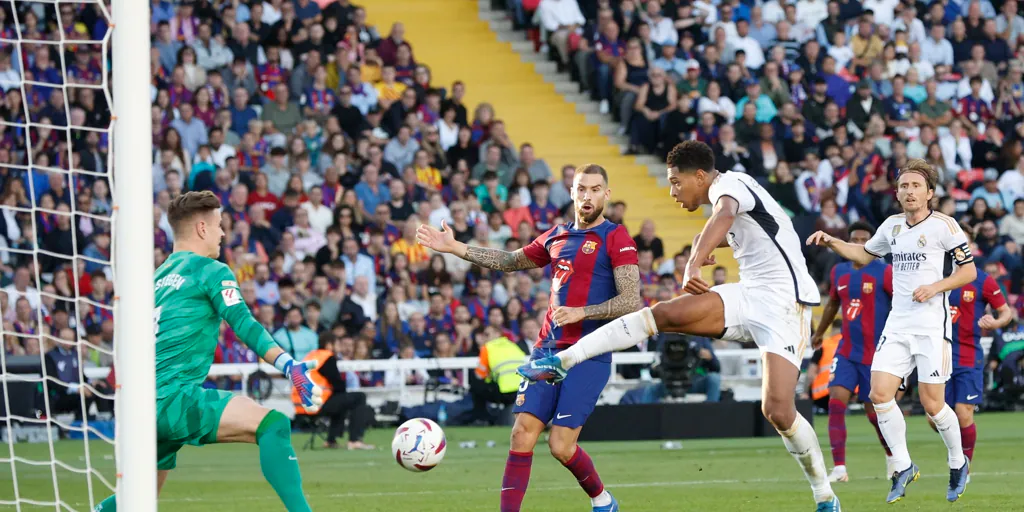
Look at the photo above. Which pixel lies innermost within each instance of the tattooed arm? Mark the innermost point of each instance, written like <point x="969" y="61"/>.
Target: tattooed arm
<point x="495" y="259"/>
<point x="443" y="240"/>
<point x="627" y="282"/>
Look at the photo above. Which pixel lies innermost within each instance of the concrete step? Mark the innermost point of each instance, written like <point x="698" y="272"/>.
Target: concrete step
<point x="578" y="98"/>
<point x="567" y="88"/>
<point x="545" y="67"/>
<point x="606" y="128"/>
<point x="487" y="14"/>
<point x="510" y="36"/>
<point x="601" y="119"/>
<point x="587" y="107"/>
<point x="523" y="47"/>
<point x="556" y="76"/>
<point x="648" y="160"/>
<point x="621" y="140"/>
<point x="501" y="24"/>
<point x="532" y="56"/>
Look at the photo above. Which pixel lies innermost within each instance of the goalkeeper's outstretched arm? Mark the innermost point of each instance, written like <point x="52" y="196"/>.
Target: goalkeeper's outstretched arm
<point x="223" y="290"/>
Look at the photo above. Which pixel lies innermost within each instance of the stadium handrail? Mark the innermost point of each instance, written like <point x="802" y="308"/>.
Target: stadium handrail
<point x="445" y="363"/>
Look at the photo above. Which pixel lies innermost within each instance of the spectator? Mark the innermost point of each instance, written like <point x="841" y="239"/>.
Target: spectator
<point x="294" y="337"/>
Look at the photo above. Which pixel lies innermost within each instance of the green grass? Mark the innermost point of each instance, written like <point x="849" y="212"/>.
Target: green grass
<point x="709" y="475"/>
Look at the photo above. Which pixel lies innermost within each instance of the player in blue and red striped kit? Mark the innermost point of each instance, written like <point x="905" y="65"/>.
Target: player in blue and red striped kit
<point x="864" y="294"/>
<point x="966" y="386"/>
<point x="594" y="279"/>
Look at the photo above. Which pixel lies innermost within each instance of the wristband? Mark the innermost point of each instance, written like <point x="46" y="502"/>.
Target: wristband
<point x="282" y="361"/>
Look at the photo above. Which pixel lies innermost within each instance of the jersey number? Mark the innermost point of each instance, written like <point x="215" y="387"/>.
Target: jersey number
<point x="156" y="320"/>
<point x="954" y="312"/>
<point x="853" y="311"/>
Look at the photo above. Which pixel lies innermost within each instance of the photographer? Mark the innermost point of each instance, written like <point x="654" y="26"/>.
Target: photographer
<point x="707" y="377"/>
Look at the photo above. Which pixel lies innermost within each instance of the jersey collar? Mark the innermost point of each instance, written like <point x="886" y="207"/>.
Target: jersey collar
<point x="911" y="226"/>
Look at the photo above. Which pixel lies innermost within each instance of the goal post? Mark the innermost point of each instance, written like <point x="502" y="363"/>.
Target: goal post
<point x="75" y="124"/>
<point x="135" y="338"/>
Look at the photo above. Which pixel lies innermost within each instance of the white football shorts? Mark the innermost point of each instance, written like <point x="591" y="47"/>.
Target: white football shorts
<point x="899" y="353"/>
<point x="774" y="321"/>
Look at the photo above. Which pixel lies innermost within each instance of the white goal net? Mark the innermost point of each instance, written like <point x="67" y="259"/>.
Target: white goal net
<point x="75" y="253"/>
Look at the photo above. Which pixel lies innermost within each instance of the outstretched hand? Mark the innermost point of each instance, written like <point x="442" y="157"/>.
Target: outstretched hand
<point x="820" y="238"/>
<point x="440" y="240"/>
<point x="310" y="394"/>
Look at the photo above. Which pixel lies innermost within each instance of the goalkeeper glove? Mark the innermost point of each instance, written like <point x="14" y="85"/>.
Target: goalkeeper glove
<point x="298" y="374"/>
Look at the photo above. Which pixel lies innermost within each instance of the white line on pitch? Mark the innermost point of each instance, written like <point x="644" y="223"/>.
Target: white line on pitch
<point x="678" y="483"/>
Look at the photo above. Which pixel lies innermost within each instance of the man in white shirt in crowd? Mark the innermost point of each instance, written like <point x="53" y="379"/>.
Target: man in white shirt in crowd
<point x="811" y="12"/>
<point x="560" y="18"/>
<point x="356" y="263"/>
<point x="663" y="30"/>
<point x="749" y="45"/>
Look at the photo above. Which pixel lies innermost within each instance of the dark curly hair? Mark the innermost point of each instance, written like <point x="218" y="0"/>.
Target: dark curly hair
<point x="691" y="155"/>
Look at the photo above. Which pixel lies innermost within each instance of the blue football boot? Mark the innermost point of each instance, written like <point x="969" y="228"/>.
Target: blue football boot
<point x="900" y="481"/>
<point x="543" y="369"/>
<point x="958" y="482"/>
<point x="611" y="507"/>
<point x="831" y="505"/>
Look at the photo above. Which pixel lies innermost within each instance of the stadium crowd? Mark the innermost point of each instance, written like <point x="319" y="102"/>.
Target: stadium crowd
<point x="328" y="143"/>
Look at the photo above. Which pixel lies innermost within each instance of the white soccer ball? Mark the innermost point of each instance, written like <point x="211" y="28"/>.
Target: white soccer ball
<point x="419" y="445"/>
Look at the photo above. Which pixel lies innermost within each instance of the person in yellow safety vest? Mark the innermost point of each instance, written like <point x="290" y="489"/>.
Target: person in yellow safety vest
<point x="338" y="401"/>
<point x="497" y="381"/>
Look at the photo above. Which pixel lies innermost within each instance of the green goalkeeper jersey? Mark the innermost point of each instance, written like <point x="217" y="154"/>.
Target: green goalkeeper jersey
<point x="193" y="294"/>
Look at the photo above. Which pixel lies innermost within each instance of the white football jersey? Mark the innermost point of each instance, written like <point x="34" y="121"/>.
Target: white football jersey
<point x="920" y="254"/>
<point x="763" y="240"/>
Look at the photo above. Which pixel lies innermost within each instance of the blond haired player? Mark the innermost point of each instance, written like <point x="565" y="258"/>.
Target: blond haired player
<point x="918" y="330"/>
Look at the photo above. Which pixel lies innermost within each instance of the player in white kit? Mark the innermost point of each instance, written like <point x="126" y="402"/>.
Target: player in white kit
<point x="771" y="305"/>
<point x="918" y="332"/>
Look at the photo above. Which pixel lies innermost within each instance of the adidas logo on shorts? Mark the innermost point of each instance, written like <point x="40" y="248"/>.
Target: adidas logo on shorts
<point x="935" y="374"/>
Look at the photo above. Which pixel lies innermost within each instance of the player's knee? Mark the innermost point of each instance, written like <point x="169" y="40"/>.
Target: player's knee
<point x="779" y="413"/>
<point x="932" y="407"/>
<point x="663" y="317"/>
<point x="879" y="396"/>
<point x="522" y="438"/>
<point x="561" y="449"/>
<point x="276" y="426"/>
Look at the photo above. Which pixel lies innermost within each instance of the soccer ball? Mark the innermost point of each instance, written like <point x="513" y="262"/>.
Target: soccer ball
<point x="419" y="445"/>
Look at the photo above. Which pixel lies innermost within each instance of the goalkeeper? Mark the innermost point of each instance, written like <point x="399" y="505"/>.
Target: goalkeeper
<point x="193" y="293"/>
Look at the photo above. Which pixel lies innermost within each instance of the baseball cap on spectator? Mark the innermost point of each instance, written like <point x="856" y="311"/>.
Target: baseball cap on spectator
<point x="692" y="65"/>
<point x="863" y="84"/>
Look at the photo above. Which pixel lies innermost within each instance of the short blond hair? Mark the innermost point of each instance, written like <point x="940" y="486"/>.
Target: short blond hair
<point x="919" y="166"/>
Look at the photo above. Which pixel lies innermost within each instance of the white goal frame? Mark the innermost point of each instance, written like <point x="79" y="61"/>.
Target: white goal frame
<point x="135" y="339"/>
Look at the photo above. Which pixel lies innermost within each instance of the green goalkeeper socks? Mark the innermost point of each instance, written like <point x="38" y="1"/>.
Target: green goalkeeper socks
<point x="107" y="505"/>
<point x="278" y="461"/>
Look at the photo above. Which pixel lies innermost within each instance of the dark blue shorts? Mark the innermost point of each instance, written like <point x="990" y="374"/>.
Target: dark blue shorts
<point x="848" y="374"/>
<point x="965" y="386"/>
<point x="568" y="403"/>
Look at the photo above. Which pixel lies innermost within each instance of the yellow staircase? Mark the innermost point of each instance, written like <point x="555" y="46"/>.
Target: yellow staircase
<point x="453" y="38"/>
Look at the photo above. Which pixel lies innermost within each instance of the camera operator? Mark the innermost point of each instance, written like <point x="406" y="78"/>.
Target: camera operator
<point x="707" y="377"/>
<point x="1006" y="361"/>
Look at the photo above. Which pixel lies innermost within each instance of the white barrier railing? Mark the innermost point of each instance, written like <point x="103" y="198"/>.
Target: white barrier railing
<point x="738" y="367"/>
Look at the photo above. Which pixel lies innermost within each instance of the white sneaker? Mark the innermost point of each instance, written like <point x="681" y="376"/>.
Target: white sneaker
<point x="604" y="107"/>
<point x="839" y="475"/>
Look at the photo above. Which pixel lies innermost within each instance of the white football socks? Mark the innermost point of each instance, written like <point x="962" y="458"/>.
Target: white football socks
<point x="894" y="429"/>
<point x="602" y="500"/>
<point x="802" y="443"/>
<point x="949" y="428"/>
<point x="619" y="334"/>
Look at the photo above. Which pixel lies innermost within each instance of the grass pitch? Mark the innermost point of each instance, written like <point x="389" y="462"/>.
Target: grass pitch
<point x="706" y="475"/>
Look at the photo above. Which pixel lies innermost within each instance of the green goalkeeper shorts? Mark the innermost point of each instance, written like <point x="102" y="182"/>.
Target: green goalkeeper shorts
<point x="189" y="415"/>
